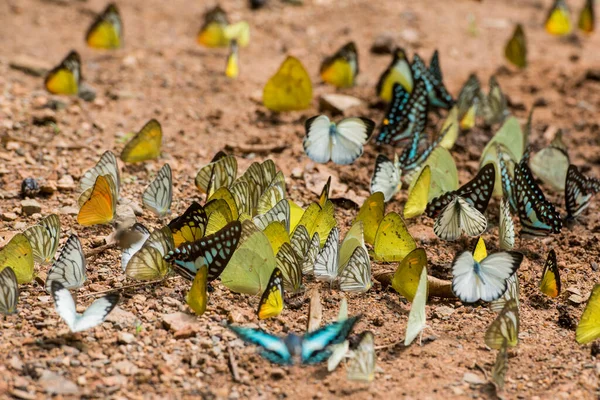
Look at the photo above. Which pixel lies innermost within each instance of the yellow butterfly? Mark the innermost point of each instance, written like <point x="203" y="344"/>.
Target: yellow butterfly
<point x="340" y="69"/>
<point x="107" y="30"/>
<point x="516" y="48"/>
<point x="289" y="89"/>
<point x="393" y="242"/>
<point x="238" y="32"/>
<point x="18" y="255"/>
<point x="65" y="78"/>
<point x="319" y="220"/>
<point x="189" y="226"/>
<point x="505" y="328"/>
<point x="480" y="251"/>
<point x="588" y="328"/>
<point x="197" y="297"/>
<point x="550" y="284"/>
<point x="274" y="193"/>
<point x="271" y="301"/>
<point x="277" y="235"/>
<point x="148" y="263"/>
<point x="397" y="72"/>
<point x="145" y="145"/>
<point x="101" y="206"/>
<point x="325" y="192"/>
<point x="371" y="213"/>
<point x="450" y="127"/>
<point x="586" y="17"/>
<point x="406" y="278"/>
<point x="43" y="238"/>
<point x="226" y="196"/>
<point x="212" y="33"/>
<point x="232" y="69"/>
<point x="444" y="175"/>
<point x="418" y="194"/>
<point x="558" y="21"/>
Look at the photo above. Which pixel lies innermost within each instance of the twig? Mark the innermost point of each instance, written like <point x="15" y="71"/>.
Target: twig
<point x="100" y="249"/>
<point x="437" y="287"/>
<point x="260" y="149"/>
<point x="133" y="285"/>
<point x="8" y="138"/>
<point x="233" y="366"/>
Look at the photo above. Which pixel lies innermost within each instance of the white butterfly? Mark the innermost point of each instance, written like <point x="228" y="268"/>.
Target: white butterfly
<point x="107" y="165"/>
<point x="417" y="316"/>
<point x="9" y="291"/>
<point x="361" y="366"/>
<point x="342" y="143"/>
<point x="506" y="227"/>
<point x="281" y="213"/>
<point x="306" y="248"/>
<point x="486" y="280"/>
<point x="135" y="245"/>
<point x="386" y="177"/>
<point x="159" y="194"/>
<point x="94" y="315"/>
<point x="512" y="292"/>
<point x="44" y="237"/>
<point x="69" y="267"/>
<point x="458" y="216"/>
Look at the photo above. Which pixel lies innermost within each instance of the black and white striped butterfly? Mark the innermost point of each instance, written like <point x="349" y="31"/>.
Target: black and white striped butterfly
<point x="434" y="84"/>
<point x="43" y="238"/>
<point x="579" y="190"/>
<point x="69" y="267"/>
<point x="9" y="291"/>
<point x="406" y="115"/>
<point x="493" y="106"/>
<point x="386" y="177"/>
<point x="93" y="316"/>
<point x="159" y="194"/>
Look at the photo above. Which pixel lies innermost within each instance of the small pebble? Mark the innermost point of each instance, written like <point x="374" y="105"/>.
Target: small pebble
<point x="30" y="206"/>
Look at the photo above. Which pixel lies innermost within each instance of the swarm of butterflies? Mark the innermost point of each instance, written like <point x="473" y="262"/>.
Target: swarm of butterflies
<point x="254" y="240"/>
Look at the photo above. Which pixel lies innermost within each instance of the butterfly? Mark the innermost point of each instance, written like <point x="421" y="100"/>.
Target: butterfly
<point x="459" y="216"/>
<point x="361" y="366"/>
<point x="586" y="20"/>
<point x="94" y="315"/>
<point x="406" y="278"/>
<point x="189" y="226"/>
<point x="238" y="32"/>
<point x="107" y="165"/>
<point x="232" y="69"/>
<point x="220" y="172"/>
<point x="397" y="72"/>
<point x="579" y="190"/>
<point x="9" y="291"/>
<point x="411" y="158"/>
<point x="494" y="106"/>
<point x="486" y="279"/>
<point x="145" y="145"/>
<point x="418" y="195"/>
<point x="146" y="261"/>
<point x="432" y="77"/>
<point x="214" y="251"/>
<point x="197" y="296"/>
<point x="371" y="214"/>
<point x="212" y="32"/>
<point x="512" y="292"/>
<point x="43" y="238"/>
<point x="588" y="328"/>
<point x="66" y="76"/>
<point x="506" y="227"/>
<point x="516" y="48"/>
<point x="159" y="194"/>
<point x="138" y="235"/>
<point x="101" y="206"/>
<point x="271" y="301"/>
<point x="558" y="21"/>
<point x="348" y="262"/>
<point x="501" y="365"/>
<point x="468" y="102"/>
<point x="311" y="348"/>
<point x="306" y="249"/>
<point x="537" y="215"/>
<point x="386" y="177"/>
<point x="281" y="213"/>
<point x="272" y="195"/>
<point x="551" y="163"/>
<point x="290" y="89"/>
<point x="69" y="267"/>
<point x="341" y="143"/>
<point x="550" y="283"/>
<point x="504" y="330"/>
<point x="291" y="268"/>
<point x="392" y="241"/>
<point x="18" y="255"/>
<point x="417" y="316"/>
<point x="406" y="116"/>
<point x="340" y="69"/>
<point x="107" y="30"/>
<point x="317" y="219"/>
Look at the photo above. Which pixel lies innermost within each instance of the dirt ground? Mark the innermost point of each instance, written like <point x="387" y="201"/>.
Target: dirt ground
<point x="146" y="349"/>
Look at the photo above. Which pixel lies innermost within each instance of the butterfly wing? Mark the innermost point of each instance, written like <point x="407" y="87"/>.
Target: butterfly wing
<point x="96" y="312"/>
<point x="190" y="226"/>
<point x="317" y="143"/>
<point x="107" y="30"/>
<point x="69" y="268"/>
<point x="197" y="297"/>
<point x="550" y="284"/>
<point x="371" y="214"/>
<point x="586" y="21"/>
<point x="341" y="68"/>
<point x="9" y="291"/>
<point x="289" y="89"/>
<point x="406" y="278"/>
<point x="349" y="137"/>
<point x="356" y="275"/>
<point x="326" y="264"/>
<point x="220" y="172"/>
<point x="505" y="328"/>
<point x="271" y="301"/>
<point x="273" y="348"/>
<point x="578" y="192"/>
<point x="281" y="213"/>
<point x="101" y="206"/>
<point x="512" y="292"/>
<point x="142" y="234"/>
<point x="417" y="315"/>
<point x="494" y="271"/>
<point x="418" y="194"/>
<point x="315" y="345"/>
<point x="145" y="145"/>
<point x="64" y="303"/>
<point x="107" y="165"/>
<point x="500" y="366"/>
<point x="159" y="194"/>
<point x="386" y="177"/>
<point x="392" y="240"/>
<point x="18" y="255"/>
<point x="506" y="227"/>
<point x="43" y="238"/>
<point x="588" y="328"/>
<point x="558" y="21"/>
<point x="64" y="78"/>
<point x="397" y="72"/>
<point x="361" y="366"/>
<point x="436" y="91"/>
<point x="290" y="267"/>
<point x="516" y="48"/>
<point x="447" y="224"/>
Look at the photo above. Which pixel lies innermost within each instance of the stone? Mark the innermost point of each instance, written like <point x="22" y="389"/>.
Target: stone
<point x="443" y="312"/>
<point x="54" y="384"/>
<point x="122" y="318"/>
<point x="338" y="103"/>
<point x="9" y="216"/>
<point x="30" y="206"/>
<point x="68" y="210"/>
<point x="43" y="117"/>
<point x="125" y="338"/>
<point x="410" y="36"/>
<point x="126" y="367"/>
<point x="278" y="373"/>
<point x="178" y="321"/>
<point x="65" y="183"/>
<point x="48" y="187"/>
<point x="472" y="378"/>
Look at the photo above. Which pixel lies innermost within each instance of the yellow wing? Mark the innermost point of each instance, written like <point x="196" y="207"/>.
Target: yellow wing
<point x="225" y="195"/>
<point x="145" y="145"/>
<point x="406" y="278"/>
<point x="238" y="32"/>
<point x="480" y="251"/>
<point x="271" y="302"/>
<point x="232" y="69"/>
<point x="101" y="206"/>
<point x="397" y="72"/>
<point x="18" y="255"/>
<point x="197" y="297"/>
<point x="340" y="70"/>
<point x="371" y="213"/>
<point x="516" y="48"/>
<point x="450" y="126"/>
<point x="212" y="33"/>
<point x="550" y="284"/>
<point x="559" y="19"/>
<point x="505" y="328"/>
<point x="277" y="235"/>
<point x="106" y="31"/>
<point x="64" y="78"/>
<point x="586" y="18"/>
<point x="221" y="171"/>
<point x="393" y="242"/>
<point x="588" y="328"/>
<point x="418" y="195"/>
<point x="44" y="237"/>
<point x="289" y="89"/>
<point x="296" y="213"/>
<point x="190" y="226"/>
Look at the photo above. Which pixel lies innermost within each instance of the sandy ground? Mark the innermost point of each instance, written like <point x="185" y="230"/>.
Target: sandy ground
<point x="162" y="73"/>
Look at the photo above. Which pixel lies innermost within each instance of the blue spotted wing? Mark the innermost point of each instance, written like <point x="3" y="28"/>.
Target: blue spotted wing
<point x="411" y="158"/>
<point x="579" y="190"/>
<point x="315" y="345"/>
<point x="273" y="348"/>
<point x="434" y="85"/>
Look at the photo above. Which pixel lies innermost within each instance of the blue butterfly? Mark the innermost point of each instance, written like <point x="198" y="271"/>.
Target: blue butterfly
<point x="476" y="192"/>
<point x="411" y="158"/>
<point x="406" y="116"/>
<point x="311" y="348"/>
<point x="537" y="215"/>
<point x="438" y="94"/>
<point x="506" y="178"/>
<point x="214" y="251"/>
<point x="579" y="190"/>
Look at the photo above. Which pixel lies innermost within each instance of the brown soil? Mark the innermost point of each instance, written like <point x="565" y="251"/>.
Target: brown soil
<point x="162" y="73"/>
